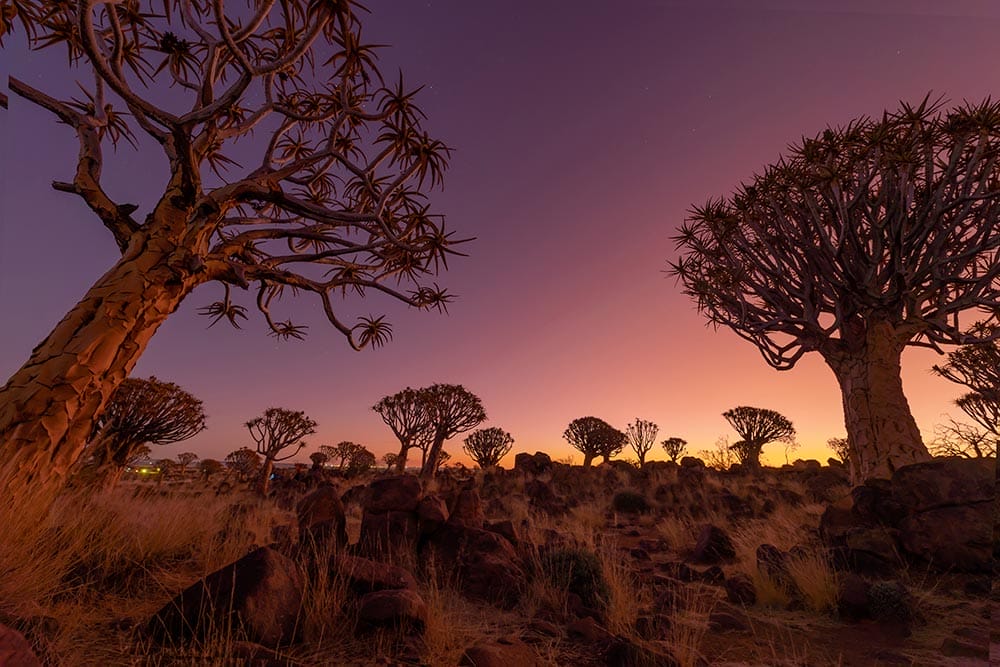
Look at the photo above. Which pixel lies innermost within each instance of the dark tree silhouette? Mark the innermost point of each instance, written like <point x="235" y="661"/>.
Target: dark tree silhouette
<point x="278" y="430"/>
<point x="390" y="460"/>
<point x="245" y="461"/>
<point x="142" y="412"/>
<point x="641" y="436"/>
<point x="209" y="467"/>
<point x="976" y="366"/>
<point x="861" y="241"/>
<point x="594" y="437"/>
<point x="184" y="459"/>
<point x="451" y="409"/>
<point x="757" y="427"/>
<point x="361" y="460"/>
<point x="332" y="204"/>
<point x="405" y="414"/>
<point x="343" y="452"/>
<point x="966" y="440"/>
<point x="674" y="447"/>
<point x="318" y="459"/>
<point x="488" y="445"/>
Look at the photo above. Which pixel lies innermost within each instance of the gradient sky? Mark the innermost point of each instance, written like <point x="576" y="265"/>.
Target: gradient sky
<point x="582" y="133"/>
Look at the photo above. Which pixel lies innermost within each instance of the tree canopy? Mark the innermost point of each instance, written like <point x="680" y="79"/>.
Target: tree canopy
<point x="488" y="445"/>
<point x="757" y="427"/>
<point x="858" y="242"/>
<point x="594" y="437"/>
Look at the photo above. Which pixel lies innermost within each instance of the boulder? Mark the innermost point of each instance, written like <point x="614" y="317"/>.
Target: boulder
<point x="944" y="483"/>
<point x="15" y="649"/>
<point x="432" y="513"/>
<point x="364" y="576"/>
<point x="400" y="493"/>
<point x="321" y="518"/>
<point x="388" y="533"/>
<point x="953" y="538"/>
<point x="713" y="546"/>
<point x="260" y="593"/>
<point x="501" y="653"/>
<point x="852" y="598"/>
<point x="397" y="608"/>
<point x="467" y="510"/>
<point x="741" y="591"/>
<point x="538" y="463"/>
<point x="483" y="564"/>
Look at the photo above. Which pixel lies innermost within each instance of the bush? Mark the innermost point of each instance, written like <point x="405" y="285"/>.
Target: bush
<point x="890" y="601"/>
<point x="629" y="502"/>
<point x="578" y="571"/>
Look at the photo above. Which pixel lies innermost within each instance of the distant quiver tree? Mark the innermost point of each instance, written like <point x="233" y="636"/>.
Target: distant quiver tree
<point x="757" y="427"/>
<point x="641" y="436"/>
<point x="488" y="445"/>
<point x="451" y="409"/>
<point x="406" y="416"/>
<point x="142" y="412"/>
<point x="326" y="197"/>
<point x="278" y="435"/>
<point x="674" y="447"/>
<point x="861" y="241"/>
<point x="594" y="437"/>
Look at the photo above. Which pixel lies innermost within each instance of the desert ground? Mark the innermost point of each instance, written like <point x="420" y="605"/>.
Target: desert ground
<point x="541" y="564"/>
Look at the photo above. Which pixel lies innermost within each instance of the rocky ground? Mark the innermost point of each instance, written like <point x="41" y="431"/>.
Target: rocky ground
<point x="544" y="564"/>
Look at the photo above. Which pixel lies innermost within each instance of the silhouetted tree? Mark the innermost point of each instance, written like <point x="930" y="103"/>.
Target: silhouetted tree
<point x="451" y="409"/>
<point x="209" y="467"/>
<point x="975" y="366"/>
<point x="757" y="427"/>
<point x="406" y="416"/>
<point x="333" y="202"/>
<point x="488" y="445"/>
<point x="274" y="432"/>
<point x="342" y="452"/>
<point x="674" y="447"/>
<point x="360" y="461"/>
<point x="720" y="457"/>
<point x="390" y="460"/>
<point x="641" y="436"/>
<point x="594" y="437"/>
<point x="142" y="412"/>
<point x="965" y="440"/>
<point x="245" y="461"/>
<point x="185" y="459"/>
<point x="318" y="459"/>
<point x="861" y="241"/>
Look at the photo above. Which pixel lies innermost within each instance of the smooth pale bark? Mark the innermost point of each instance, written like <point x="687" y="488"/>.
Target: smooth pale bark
<point x="881" y="431"/>
<point x="48" y="408"/>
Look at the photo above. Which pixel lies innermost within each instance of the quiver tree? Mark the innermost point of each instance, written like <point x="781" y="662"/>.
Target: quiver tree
<point x="406" y="416"/>
<point x="209" y="467"/>
<point x="360" y="461"/>
<point x="390" y="460"/>
<point x="318" y="459"/>
<point x="674" y="447"/>
<point x="977" y="367"/>
<point x="185" y="459"/>
<point x="343" y="452"/>
<point x="328" y="198"/>
<point x="141" y="412"/>
<point x="487" y="446"/>
<point x="278" y="430"/>
<point x="594" y="437"/>
<point x="859" y="242"/>
<point x="451" y="409"/>
<point x="757" y="427"/>
<point x="641" y="436"/>
<point x="245" y="462"/>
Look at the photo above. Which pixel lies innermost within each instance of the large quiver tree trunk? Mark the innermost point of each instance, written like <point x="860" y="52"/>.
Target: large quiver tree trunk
<point x="881" y="431"/>
<point x="49" y="407"/>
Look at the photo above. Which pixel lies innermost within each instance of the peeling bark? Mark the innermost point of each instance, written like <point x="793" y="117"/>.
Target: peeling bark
<point x="48" y="408"/>
<point x="881" y="431"/>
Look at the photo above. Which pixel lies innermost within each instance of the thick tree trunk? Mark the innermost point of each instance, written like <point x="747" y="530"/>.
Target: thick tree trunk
<point x="264" y="481"/>
<point x="429" y="466"/>
<point x="48" y="408"/>
<point x="881" y="431"/>
<point x="587" y="460"/>
<point x="401" y="459"/>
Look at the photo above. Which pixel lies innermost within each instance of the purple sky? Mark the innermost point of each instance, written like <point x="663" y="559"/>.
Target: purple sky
<point x="581" y="137"/>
